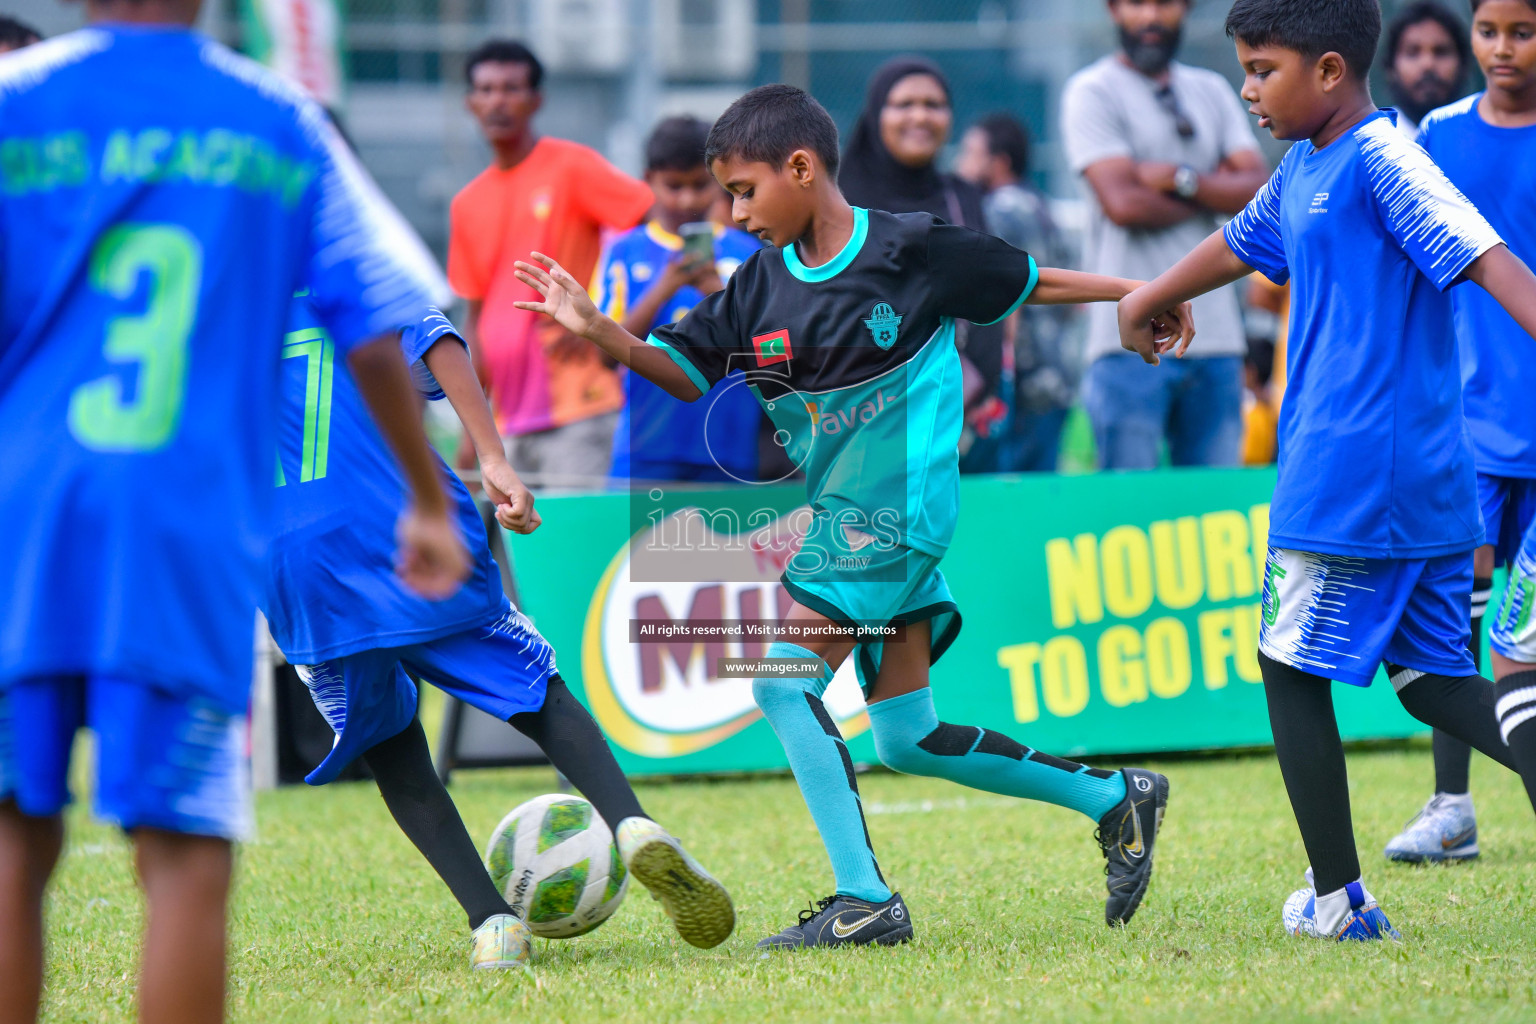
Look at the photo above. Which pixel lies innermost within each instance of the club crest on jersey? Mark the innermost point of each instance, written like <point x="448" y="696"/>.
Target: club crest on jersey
<point x="772" y="348"/>
<point x="882" y="323"/>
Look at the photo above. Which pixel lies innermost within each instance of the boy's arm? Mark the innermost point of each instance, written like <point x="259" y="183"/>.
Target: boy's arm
<point x="1505" y="276"/>
<point x="568" y="304"/>
<point x="432" y="558"/>
<point x="1057" y="287"/>
<point x="1211" y="265"/>
<point x="1167" y="325"/>
<point x="451" y="366"/>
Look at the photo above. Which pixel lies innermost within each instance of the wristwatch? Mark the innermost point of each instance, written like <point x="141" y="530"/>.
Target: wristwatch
<point x="1186" y="182"/>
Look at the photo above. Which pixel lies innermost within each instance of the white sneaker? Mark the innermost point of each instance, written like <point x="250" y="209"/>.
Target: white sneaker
<point x="500" y="943"/>
<point x="1355" y="915"/>
<point x="1446" y="829"/>
<point x="699" y="906"/>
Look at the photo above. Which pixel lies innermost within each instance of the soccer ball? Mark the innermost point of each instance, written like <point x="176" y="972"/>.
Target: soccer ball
<point x="554" y="860"/>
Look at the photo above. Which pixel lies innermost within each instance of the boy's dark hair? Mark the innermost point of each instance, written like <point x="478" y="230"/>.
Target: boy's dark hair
<point x="769" y="123"/>
<point x="1420" y="12"/>
<point x="1007" y="137"/>
<point x="16" y="34"/>
<point x="1312" y="28"/>
<point x="504" y="51"/>
<point x="676" y="144"/>
<point x="1478" y="3"/>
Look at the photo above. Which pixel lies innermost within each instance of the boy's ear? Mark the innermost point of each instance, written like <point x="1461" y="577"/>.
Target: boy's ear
<point x="802" y="168"/>
<point x="1331" y="70"/>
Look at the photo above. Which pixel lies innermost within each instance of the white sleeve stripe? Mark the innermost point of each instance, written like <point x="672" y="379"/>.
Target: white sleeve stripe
<point x="1262" y="214"/>
<point x="1422" y="203"/>
<point x="28" y="67"/>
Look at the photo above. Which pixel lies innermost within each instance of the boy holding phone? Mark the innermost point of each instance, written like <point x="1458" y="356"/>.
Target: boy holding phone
<point x="652" y="276"/>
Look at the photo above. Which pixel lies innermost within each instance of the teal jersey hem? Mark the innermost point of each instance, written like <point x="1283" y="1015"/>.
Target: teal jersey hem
<point x="1034" y="279"/>
<point x="831" y="268"/>
<point x="692" y="371"/>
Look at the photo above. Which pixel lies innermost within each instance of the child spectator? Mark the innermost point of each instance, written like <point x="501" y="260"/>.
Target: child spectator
<point x="649" y="280"/>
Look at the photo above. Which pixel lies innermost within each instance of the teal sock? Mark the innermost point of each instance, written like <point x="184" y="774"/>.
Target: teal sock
<point x="819" y="759"/>
<point x="910" y="738"/>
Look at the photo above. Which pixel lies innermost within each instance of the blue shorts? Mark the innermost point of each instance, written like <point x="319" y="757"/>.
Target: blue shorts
<point x="1513" y="633"/>
<point x="161" y="761"/>
<point x="501" y="667"/>
<point x="1341" y="617"/>
<point x="855" y="578"/>
<point x="1509" y="508"/>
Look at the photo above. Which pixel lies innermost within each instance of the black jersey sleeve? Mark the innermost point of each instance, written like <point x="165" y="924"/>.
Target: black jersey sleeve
<point x="704" y="340"/>
<point x="976" y="276"/>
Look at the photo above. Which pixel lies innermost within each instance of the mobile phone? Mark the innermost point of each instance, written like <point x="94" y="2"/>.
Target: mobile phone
<point x="698" y="241"/>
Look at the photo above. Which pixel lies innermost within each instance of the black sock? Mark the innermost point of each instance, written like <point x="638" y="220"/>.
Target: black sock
<point x="1311" y="757"/>
<point x="1517" y="724"/>
<point x="1453" y="758"/>
<point x="1459" y="705"/>
<point x="402" y="766"/>
<point x="574" y="744"/>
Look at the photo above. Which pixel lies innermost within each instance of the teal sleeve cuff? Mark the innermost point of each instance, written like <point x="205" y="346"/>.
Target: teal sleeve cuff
<point x="1034" y="279"/>
<point x="692" y="371"/>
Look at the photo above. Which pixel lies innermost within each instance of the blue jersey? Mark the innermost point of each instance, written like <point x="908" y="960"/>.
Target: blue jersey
<point x="332" y="589"/>
<point x="1374" y="455"/>
<point x="1496" y="169"/>
<point x="161" y="199"/>
<point x="653" y="425"/>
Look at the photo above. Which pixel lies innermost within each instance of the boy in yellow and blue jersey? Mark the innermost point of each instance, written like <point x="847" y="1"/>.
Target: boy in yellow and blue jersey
<point x="845" y="327"/>
<point x="649" y="280"/>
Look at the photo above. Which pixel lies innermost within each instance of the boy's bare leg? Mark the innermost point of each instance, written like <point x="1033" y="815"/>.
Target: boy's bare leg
<point x="186" y="884"/>
<point x="29" y="849"/>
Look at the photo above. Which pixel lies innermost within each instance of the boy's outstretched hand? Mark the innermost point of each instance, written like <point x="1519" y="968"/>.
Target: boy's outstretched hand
<point x="1150" y="333"/>
<point x="565" y="300"/>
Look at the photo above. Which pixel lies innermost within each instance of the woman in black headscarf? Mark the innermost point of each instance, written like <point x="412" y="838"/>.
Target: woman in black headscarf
<point x="890" y="164"/>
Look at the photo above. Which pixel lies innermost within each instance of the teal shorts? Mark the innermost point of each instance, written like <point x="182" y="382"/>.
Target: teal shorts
<point x="857" y="579"/>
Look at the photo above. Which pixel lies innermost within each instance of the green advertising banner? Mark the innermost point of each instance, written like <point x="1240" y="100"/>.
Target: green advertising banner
<point x="1109" y="613"/>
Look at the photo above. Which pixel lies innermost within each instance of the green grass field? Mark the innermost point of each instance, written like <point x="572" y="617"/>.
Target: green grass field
<point x="337" y="919"/>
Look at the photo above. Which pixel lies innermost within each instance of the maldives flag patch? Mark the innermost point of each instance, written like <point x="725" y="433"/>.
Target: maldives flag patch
<point x="772" y="348"/>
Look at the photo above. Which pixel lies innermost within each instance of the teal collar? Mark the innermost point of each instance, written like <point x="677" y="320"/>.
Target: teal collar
<point x="832" y="267"/>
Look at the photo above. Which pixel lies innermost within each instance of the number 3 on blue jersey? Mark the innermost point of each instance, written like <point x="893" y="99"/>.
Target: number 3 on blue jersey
<point x="315" y="346"/>
<point x="99" y="418"/>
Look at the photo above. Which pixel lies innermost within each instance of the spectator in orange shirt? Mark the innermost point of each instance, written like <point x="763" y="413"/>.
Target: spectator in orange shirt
<point x="556" y="399"/>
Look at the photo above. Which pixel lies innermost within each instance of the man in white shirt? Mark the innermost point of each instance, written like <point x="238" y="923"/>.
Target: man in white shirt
<point x="1164" y="149"/>
<point x="1426" y="60"/>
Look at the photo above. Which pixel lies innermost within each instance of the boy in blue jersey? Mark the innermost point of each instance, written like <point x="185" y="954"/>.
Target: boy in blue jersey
<point x="1486" y="145"/>
<point x="1513" y="642"/>
<point x="648" y="280"/>
<point x="339" y="614"/>
<point x="845" y="328"/>
<point x="162" y="198"/>
<point x="1375" y="512"/>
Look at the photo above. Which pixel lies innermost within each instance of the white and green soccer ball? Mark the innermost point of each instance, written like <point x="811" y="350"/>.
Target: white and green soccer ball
<point x="555" y="861"/>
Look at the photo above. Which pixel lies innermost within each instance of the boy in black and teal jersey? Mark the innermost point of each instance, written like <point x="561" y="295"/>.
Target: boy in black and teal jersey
<point x="845" y="329"/>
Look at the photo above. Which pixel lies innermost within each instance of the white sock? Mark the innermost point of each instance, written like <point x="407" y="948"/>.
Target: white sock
<point x="1334" y="906"/>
